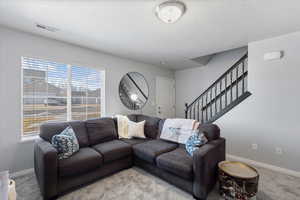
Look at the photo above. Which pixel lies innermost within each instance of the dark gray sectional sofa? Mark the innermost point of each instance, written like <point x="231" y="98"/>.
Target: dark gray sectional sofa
<point x="102" y="153"/>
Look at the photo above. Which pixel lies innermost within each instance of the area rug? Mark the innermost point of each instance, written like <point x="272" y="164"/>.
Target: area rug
<point x="136" y="184"/>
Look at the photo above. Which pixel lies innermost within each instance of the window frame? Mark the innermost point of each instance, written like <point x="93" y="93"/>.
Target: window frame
<point x="33" y="136"/>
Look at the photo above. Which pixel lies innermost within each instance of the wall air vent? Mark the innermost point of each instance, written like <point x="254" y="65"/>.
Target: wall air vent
<point x="47" y="28"/>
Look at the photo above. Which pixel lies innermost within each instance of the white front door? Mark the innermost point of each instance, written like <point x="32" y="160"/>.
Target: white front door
<point x="165" y="97"/>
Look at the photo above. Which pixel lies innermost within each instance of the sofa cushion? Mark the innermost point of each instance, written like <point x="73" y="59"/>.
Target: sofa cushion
<point x="49" y="129"/>
<point x="113" y="150"/>
<point x="85" y="160"/>
<point x="132" y="117"/>
<point x="177" y="162"/>
<point x="211" y="131"/>
<point x="81" y="132"/>
<point x="151" y="125"/>
<point x="101" y="130"/>
<point x="134" y="141"/>
<point x="160" y="127"/>
<point x="148" y="151"/>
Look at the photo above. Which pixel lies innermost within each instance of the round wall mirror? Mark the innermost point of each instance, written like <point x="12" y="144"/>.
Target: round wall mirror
<point x="133" y="90"/>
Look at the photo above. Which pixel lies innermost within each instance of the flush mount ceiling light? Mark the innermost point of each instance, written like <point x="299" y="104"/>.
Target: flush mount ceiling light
<point x="170" y="11"/>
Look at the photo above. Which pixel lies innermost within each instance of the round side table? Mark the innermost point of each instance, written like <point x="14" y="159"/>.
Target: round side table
<point x="238" y="180"/>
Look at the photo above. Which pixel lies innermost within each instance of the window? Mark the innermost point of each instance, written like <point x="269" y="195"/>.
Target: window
<point x="59" y="92"/>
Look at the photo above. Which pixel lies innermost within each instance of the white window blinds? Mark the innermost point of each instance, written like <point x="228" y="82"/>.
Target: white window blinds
<point x="59" y="92"/>
<point x="86" y="93"/>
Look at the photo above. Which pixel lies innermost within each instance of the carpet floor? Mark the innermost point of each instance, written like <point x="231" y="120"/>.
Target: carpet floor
<point x="136" y="184"/>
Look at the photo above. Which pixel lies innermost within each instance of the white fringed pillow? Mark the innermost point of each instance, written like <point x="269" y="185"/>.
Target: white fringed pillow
<point x="136" y="129"/>
<point x="122" y="126"/>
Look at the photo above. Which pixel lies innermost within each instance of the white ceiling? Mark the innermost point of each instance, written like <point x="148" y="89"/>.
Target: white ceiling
<point x="129" y="28"/>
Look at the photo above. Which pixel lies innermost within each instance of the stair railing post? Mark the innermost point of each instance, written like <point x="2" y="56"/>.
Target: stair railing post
<point x="216" y="110"/>
<point x="243" y="71"/>
<point x="237" y="82"/>
<point x="202" y="104"/>
<point x="186" y="110"/>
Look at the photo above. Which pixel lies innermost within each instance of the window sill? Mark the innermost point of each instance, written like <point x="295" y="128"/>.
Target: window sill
<point x="31" y="138"/>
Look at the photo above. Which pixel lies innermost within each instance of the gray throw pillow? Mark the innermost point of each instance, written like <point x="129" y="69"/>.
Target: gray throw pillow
<point x="66" y="143"/>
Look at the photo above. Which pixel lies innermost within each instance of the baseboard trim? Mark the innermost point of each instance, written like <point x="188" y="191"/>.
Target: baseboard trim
<point x="264" y="165"/>
<point x="21" y="173"/>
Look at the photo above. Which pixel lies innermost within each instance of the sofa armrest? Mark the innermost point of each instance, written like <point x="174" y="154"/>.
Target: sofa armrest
<point x="205" y="166"/>
<point x="45" y="167"/>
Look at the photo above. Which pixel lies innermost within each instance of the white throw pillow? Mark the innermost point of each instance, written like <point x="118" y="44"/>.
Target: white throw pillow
<point x="122" y="126"/>
<point x="136" y="129"/>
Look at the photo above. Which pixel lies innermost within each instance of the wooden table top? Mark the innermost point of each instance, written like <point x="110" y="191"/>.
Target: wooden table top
<point x="238" y="169"/>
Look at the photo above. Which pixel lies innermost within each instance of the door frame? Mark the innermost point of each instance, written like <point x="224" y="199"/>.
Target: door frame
<point x="157" y="96"/>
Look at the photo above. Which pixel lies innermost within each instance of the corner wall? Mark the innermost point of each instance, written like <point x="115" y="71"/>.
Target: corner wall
<point x="16" y="155"/>
<point x="270" y="116"/>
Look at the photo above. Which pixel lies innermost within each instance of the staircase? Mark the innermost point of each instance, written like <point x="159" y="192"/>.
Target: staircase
<point x="225" y="93"/>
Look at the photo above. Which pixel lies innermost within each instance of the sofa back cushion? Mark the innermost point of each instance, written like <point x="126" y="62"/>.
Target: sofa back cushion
<point x="211" y="131"/>
<point x="151" y="125"/>
<point x="101" y="130"/>
<point x="160" y="127"/>
<point x="49" y="129"/>
<point x="132" y="117"/>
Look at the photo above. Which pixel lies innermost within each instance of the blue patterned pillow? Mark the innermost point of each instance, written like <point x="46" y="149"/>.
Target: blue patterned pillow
<point x="66" y="143"/>
<point x="195" y="141"/>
